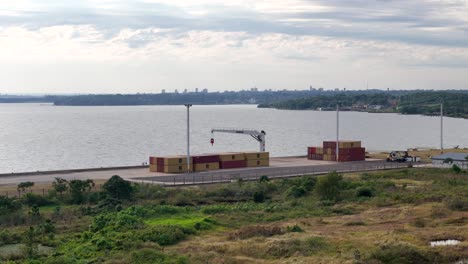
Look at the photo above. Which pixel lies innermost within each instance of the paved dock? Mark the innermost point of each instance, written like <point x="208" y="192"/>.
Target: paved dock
<point x="279" y="167"/>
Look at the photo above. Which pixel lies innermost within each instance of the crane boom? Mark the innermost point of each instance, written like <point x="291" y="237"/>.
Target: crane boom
<point x="257" y="135"/>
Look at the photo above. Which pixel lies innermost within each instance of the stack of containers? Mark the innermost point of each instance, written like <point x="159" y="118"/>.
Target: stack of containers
<point x="205" y="162"/>
<point x="232" y="160"/>
<point x="257" y="159"/>
<point x="315" y="153"/>
<point x="174" y="164"/>
<point x="348" y="151"/>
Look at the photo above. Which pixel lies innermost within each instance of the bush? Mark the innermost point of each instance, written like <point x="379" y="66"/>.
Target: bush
<point x="118" y="188"/>
<point x="329" y="187"/>
<point x="456" y="168"/>
<point x="294" y="228"/>
<point x="164" y="234"/>
<point x="259" y="197"/>
<point x="150" y="256"/>
<point x="8" y="205"/>
<point x="296" y="192"/>
<point x="264" y="179"/>
<point x="256" y="231"/>
<point x="399" y="254"/>
<point x="364" y="192"/>
<point x="31" y="199"/>
<point x="458" y="204"/>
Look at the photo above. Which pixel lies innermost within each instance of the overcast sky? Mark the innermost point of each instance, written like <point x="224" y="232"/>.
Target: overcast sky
<point x="112" y="46"/>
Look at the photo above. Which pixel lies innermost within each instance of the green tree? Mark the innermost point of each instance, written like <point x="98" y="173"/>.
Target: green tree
<point x="328" y="187"/>
<point x="78" y="188"/>
<point x="60" y="185"/>
<point x="118" y="188"/>
<point x="23" y="185"/>
<point x="8" y="205"/>
<point x="30" y="241"/>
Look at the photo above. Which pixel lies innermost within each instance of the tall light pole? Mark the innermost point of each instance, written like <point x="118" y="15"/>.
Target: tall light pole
<point x="188" y="136"/>
<point x="441" y="126"/>
<point x="337" y="131"/>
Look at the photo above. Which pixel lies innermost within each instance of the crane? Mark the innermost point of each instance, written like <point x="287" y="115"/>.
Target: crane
<point x="257" y="135"/>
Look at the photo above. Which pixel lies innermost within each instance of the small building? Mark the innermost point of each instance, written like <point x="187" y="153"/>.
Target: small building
<point x="447" y="160"/>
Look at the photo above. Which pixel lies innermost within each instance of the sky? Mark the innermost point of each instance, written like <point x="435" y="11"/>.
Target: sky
<point x="144" y="46"/>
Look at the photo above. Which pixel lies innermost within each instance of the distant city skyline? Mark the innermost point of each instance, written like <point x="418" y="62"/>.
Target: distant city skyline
<point x="145" y="46"/>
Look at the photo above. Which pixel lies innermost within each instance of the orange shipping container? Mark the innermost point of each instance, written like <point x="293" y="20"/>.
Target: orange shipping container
<point x="231" y="156"/>
<point x="258" y="163"/>
<point x="206" y="166"/>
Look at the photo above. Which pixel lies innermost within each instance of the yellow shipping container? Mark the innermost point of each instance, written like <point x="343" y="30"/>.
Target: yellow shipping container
<point x="328" y="157"/>
<point x="231" y="156"/>
<point x="176" y="168"/>
<point x="207" y="166"/>
<point x="349" y="144"/>
<point x="176" y="160"/>
<point x="257" y="155"/>
<point x="319" y="150"/>
<point x="153" y="168"/>
<point x="258" y="163"/>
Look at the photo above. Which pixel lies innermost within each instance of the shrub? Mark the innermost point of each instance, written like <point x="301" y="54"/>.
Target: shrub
<point x="329" y="187"/>
<point x="296" y="192"/>
<point x="255" y="231"/>
<point x="259" y="197"/>
<point x="118" y="188"/>
<point x="164" y="234"/>
<point x="399" y="254"/>
<point x="31" y="199"/>
<point x="458" y="204"/>
<point x="456" y="168"/>
<point x="294" y="228"/>
<point x="264" y="179"/>
<point x="364" y="192"/>
<point x="150" y="256"/>
<point x="8" y="205"/>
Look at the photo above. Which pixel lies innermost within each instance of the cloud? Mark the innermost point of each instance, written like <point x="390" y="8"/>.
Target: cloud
<point x="231" y="43"/>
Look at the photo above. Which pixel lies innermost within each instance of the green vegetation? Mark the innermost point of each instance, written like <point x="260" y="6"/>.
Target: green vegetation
<point x="375" y="217"/>
<point x="423" y="103"/>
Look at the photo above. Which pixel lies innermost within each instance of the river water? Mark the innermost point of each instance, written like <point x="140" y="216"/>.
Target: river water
<point x="46" y="137"/>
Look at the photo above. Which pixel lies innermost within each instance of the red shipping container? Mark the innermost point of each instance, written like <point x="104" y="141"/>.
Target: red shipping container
<point x="205" y="159"/>
<point x="152" y="160"/>
<point x="311" y="150"/>
<point x="160" y="168"/>
<point x="160" y="161"/>
<point x="232" y="164"/>
<point x="329" y="144"/>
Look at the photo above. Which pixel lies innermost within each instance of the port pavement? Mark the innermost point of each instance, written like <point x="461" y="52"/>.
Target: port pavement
<point x="279" y="167"/>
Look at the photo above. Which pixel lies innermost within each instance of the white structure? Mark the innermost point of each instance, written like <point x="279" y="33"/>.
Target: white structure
<point x="447" y="160"/>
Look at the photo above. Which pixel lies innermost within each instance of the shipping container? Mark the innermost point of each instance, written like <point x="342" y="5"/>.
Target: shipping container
<point x="257" y="155"/>
<point x="231" y="156"/>
<point x="153" y="168"/>
<point x="232" y="164"/>
<point x="153" y="160"/>
<point x="342" y="144"/>
<point x="206" y="158"/>
<point x="206" y="166"/>
<point x="315" y="156"/>
<point x="175" y="168"/>
<point x="258" y="163"/>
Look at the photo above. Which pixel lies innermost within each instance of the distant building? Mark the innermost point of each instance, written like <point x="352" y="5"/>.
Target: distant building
<point x="196" y="90"/>
<point x="374" y="107"/>
<point x="205" y="90"/>
<point x="447" y="160"/>
<point x="185" y="91"/>
<point x="163" y="91"/>
<point x="176" y="91"/>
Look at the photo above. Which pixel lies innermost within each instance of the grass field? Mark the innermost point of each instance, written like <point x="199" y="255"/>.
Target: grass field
<point x="373" y="217"/>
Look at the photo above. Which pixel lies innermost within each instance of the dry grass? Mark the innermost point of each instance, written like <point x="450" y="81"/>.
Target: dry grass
<point x="382" y="226"/>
